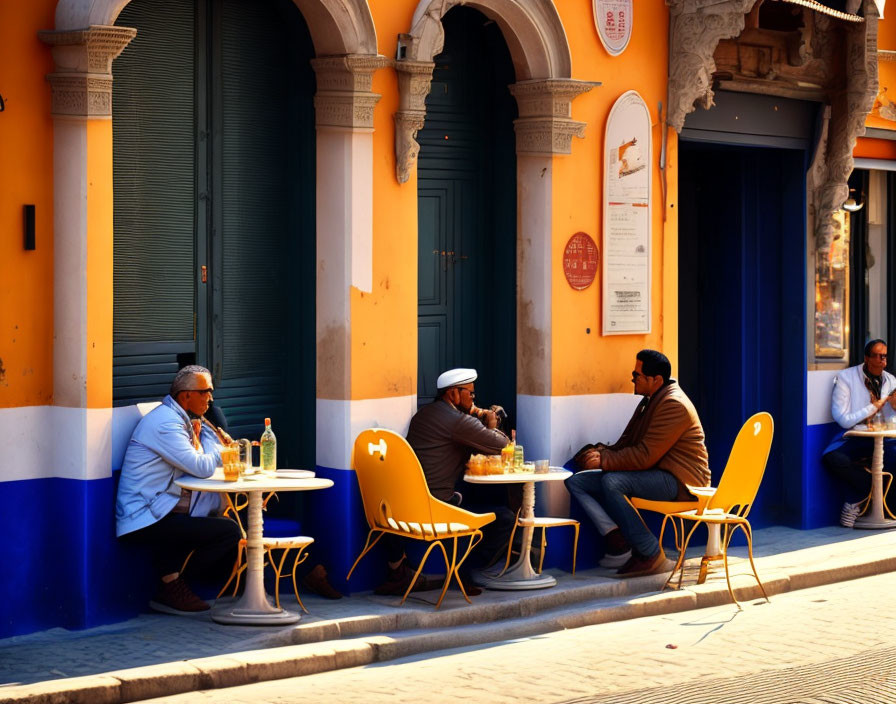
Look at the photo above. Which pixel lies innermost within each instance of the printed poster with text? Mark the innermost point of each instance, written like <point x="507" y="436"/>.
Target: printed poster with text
<point x="627" y="193"/>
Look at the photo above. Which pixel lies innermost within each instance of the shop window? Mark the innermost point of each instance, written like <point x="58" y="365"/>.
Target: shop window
<point x="832" y="295"/>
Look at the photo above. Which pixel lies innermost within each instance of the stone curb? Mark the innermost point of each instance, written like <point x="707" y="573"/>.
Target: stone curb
<point x="334" y="645"/>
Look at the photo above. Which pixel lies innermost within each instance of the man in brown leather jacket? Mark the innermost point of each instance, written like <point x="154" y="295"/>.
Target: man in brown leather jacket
<point x="660" y="451"/>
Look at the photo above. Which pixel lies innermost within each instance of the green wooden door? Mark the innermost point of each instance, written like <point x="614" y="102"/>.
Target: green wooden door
<point x="467" y="214"/>
<point x="230" y="178"/>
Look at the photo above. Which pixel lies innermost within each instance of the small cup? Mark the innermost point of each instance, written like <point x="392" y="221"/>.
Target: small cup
<point x="542" y="466"/>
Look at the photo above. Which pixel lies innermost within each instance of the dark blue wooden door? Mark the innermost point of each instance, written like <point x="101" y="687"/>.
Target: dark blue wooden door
<point x="467" y="214"/>
<point x="742" y="305"/>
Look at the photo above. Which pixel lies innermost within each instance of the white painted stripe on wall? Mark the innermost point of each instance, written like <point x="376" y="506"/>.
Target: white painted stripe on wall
<point x="555" y="427"/>
<point x="819" y="384"/>
<point x="43" y="442"/>
<point x="339" y="422"/>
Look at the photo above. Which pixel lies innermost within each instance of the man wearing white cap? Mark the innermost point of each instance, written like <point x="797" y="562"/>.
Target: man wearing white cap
<point x="444" y="434"/>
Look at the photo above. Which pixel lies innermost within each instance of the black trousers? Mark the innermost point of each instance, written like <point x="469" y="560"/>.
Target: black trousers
<point x="848" y="462"/>
<point x="212" y="540"/>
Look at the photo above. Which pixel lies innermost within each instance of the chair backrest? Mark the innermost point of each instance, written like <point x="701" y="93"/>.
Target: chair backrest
<point x="389" y="471"/>
<point x="746" y="465"/>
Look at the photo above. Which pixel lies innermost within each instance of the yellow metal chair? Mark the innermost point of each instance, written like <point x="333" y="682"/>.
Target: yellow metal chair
<point x="731" y="502"/>
<point x="543" y="522"/>
<point x="397" y="501"/>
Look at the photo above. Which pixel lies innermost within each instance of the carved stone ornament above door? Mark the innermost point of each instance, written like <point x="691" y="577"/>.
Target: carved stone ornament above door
<point x="800" y="53"/>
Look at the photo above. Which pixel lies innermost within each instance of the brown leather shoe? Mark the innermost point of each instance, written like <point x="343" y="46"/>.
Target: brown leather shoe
<point x="316" y="581"/>
<point x="177" y="598"/>
<point x="398" y="579"/>
<point x="639" y="565"/>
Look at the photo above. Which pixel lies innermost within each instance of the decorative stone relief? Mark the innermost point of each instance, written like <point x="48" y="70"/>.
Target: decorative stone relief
<point x="836" y="59"/>
<point x="414" y="82"/>
<point x="697" y="28"/>
<point x="344" y="97"/>
<point x="545" y="124"/>
<point x="849" y="108"/>
<point x="82" y="81"/>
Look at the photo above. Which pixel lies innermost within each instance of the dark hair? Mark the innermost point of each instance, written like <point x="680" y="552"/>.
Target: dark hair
<point x="871" y="343"/>
<point x="655" y="363"/>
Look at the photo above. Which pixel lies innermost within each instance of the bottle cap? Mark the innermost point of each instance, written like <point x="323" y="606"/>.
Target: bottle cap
<point x="267" y="421"/>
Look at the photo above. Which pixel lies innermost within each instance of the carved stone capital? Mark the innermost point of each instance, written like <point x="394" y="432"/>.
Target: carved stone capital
<point x="697" y="28"/>
<point x="82" y="81"/>
<point x="849" y="108"/>
<point x="414" y="82"/>
<point x="344" y="97"/>
<point x="407" y="149"/>
<point x="545" y="108"/>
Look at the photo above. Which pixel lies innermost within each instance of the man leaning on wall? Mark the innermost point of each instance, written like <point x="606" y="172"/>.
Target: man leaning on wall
<point x="859" y="394"/>
<point x="151" y="510"/>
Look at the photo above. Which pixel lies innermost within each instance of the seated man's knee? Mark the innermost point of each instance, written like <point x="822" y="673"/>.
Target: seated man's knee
<point x="583" y="482"/>
<point x="614" y="482"/>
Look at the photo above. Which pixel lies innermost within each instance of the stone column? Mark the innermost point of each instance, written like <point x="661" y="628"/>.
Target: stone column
<point x="82" y="241"/>
<point x="544" y="130"/>
<point x="344" y="107"/>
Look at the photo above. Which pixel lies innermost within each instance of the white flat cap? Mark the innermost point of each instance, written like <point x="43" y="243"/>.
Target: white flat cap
<point x="455" y="377"/>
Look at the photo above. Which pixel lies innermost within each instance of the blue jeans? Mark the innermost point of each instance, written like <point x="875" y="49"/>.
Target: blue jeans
<point x="602" y="496"/>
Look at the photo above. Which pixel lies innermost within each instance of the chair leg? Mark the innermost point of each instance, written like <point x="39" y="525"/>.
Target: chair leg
<point x="234" y="573"/>
<point x="544" y="545"/>
<point x="679" y="564"/>
<point x="368" y="546"/>
<point x="449" y="566"/>
<point x="749" y="533"/>
<point x="510" y="542"/>
<point x="474" y="540"/>
<point x="575" y="547"/>
<point x="725" y="542"/>
<point x="887" y="491"/>
<point x="419" y="570"/>
<point x="300" y="558"/>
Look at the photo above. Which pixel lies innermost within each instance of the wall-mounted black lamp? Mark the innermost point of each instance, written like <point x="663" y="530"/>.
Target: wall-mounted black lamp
<point x="852" y="204"/>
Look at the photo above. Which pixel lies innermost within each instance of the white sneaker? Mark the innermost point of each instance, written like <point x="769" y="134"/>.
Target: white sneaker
<point x="615" y="560"/>
<point x="849" y="513"/>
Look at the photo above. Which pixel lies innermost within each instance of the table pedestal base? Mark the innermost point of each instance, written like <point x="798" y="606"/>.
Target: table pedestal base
<point x="874" y="523"/>
<point x="241" y="616"/>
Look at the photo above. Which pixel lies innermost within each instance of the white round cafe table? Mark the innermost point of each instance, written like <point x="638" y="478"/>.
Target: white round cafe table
<point x="874" y="516"/>
<point x="520" y="575"/>
<point x="255" y="608"/>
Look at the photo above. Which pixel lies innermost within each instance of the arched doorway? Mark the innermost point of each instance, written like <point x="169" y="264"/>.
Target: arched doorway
<point x="466" y="185"/>
<point x="214" y="215"/>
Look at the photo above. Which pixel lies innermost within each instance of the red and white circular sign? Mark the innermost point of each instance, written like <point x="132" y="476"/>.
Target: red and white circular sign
<point x="613" y="19"/>
<point x="580" y="261"/>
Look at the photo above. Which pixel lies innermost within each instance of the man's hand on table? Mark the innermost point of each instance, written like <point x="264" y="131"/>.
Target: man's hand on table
<point x="590" y="459"/>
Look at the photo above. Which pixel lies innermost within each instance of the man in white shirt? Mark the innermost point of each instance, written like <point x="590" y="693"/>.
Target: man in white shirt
<point x="860" y="393"/>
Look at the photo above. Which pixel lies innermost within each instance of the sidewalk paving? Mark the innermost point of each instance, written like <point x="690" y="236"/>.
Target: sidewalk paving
<point x="155" y="655"/>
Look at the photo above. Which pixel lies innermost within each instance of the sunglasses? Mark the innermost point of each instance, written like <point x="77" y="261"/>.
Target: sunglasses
<point x="200" y="391"/>
<point x="878" y="355"/>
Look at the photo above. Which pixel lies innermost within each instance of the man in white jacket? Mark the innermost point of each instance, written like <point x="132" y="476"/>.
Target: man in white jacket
<point x="151" y="510"/>
<point x="860" y="393"/>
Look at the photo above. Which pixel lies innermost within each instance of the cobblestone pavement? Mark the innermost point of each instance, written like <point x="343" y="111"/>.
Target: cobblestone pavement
<point x="835" y="643"/>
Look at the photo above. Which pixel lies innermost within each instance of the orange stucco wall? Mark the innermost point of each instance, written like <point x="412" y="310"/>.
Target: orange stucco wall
<point x="587" y="362"/>
<point x="384" y="329"/>
<point x="384" y="334"/>
<point x="26" y="277"/>
<point x="99" y="264"/>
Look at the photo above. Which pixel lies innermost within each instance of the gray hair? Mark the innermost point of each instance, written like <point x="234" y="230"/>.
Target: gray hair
<point x="184" y="379"/>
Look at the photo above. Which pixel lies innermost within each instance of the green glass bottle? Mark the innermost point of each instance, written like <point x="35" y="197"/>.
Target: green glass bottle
<point x="268" y="448"/>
